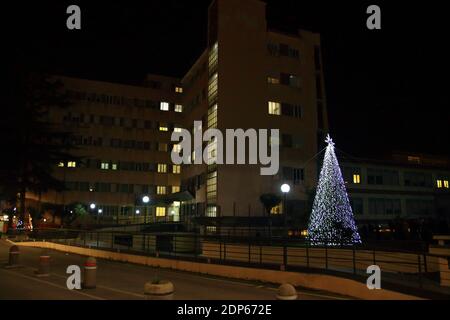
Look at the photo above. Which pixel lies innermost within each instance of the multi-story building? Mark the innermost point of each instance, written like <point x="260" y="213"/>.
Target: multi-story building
<point x="249" y="76"/>
<point x="408" y="187"/>
<point x="122" y="134"/>
<point x="253" y="77"/>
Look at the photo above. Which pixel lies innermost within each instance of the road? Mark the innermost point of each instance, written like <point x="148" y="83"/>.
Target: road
<point x="122" y="281"/>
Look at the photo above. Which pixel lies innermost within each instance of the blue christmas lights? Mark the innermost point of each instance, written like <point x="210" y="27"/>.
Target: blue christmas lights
<point x="332" y="222"/>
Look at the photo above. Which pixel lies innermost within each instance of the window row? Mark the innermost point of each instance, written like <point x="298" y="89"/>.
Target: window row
<point x="296" y="175"/>
<point x="284" y="109"/>
<point x="119" y="143"/>
<point x="284" y="50"/>
<point x="391" y="177"/>
<point x="383" y="206"/>
<point x="127" y="211"/>
<point x="120" y="100"/>
<point x="124" y="166"/>
<point x="110" y="121"/>
<point x="285" y="79"/>
<point x="120" y="188"/>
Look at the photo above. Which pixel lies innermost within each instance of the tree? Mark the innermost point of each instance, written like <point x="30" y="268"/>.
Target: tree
<point x="332" y="221"/>
<point x="269" y="201"/>
<point x="77" y="216"/>
<point x="32" y="146"/>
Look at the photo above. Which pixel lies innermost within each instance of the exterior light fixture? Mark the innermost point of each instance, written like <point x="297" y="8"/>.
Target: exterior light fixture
<point x="285" y="188"/>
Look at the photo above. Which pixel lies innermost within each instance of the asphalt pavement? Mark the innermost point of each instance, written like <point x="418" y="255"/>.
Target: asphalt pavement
<point x="122" y="281"/>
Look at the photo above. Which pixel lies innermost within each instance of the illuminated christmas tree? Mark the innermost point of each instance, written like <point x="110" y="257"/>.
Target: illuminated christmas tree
<point x="331" y="221"/>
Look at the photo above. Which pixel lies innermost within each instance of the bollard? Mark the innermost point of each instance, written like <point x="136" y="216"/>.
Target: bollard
<point x="287" y="292"/>
<point x="14" y="255"/>
<point x="159" y="290"/>
<point x="44" y="265"/>
<point x="90" y="273"/>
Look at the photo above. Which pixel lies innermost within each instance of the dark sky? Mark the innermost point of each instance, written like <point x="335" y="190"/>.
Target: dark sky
<point x="387" y="89"/>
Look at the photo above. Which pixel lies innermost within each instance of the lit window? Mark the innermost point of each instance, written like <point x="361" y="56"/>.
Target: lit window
<point x="178" y="90"/>
<point x="71" y="164"/>
<point x="446" y="184"/>
<point x="212" y="117"/>
<point x="164" y="106"/>
<point x="61" y="165"/>
<point x="356" y="179"/>
<point x="176" y="129"/>
<point x="274" y="108"/>
<point x="176" y="169"/>
<point x="212" y="88"/>
<point x="160" y="190"/>
<point x="175" y="189"/>
<point x="277" y="209"/>
<point x="114" y="166"/>
<point x="160" y="211"/>
<point x="163" y="127"/>
<point x="104" y="166"/>
<point x="178" y="108"/>
<point x="162" y="168"/>
<point x="211" y="229"/>
<point x="211" y="211"/>
<point x="439" y="183"/>
<point x="272" y="80"/>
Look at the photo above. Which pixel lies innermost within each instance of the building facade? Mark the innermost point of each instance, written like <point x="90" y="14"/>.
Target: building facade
<point x="248" y="77"/>
<point x="406" y="187"/>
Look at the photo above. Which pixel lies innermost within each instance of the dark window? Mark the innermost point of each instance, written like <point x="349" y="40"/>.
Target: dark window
<point x="299" y="175"/>
<point x="286" y="140"/>
<point x="284" y="49"/>
<point x="287" y="110"/>
<point x="357" y="206"/>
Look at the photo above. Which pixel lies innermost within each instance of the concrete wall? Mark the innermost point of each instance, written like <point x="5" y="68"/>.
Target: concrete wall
<point x="444" y="272"/>
<point x="312" y="281"/>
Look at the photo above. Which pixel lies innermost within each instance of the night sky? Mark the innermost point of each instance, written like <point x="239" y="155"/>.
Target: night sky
<point x="386" y="89"/>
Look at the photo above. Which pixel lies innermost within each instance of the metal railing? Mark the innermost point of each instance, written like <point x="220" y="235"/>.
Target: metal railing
<point x="409" y="270"/>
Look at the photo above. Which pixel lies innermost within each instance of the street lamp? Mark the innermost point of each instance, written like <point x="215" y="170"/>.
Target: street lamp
<point x="138" y="211"/>
<point x="145" y="201"/>
<point x="92" y="206"/>
<point x="285" y="189"/>
<point x="100" y="211"/>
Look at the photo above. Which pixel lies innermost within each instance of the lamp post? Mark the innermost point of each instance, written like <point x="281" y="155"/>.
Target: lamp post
<point x="145" y="201"/>
<point x="285" y="189"/>
<point x="92" y="206"/>
<point x="99" y="213"/>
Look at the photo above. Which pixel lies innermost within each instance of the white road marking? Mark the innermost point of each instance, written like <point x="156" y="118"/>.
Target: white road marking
<point x="109" y="288"/>
<point x="53" y="285"/>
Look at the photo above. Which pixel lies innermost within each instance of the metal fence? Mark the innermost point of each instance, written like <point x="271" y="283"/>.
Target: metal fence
<point x="403" y="269"/>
